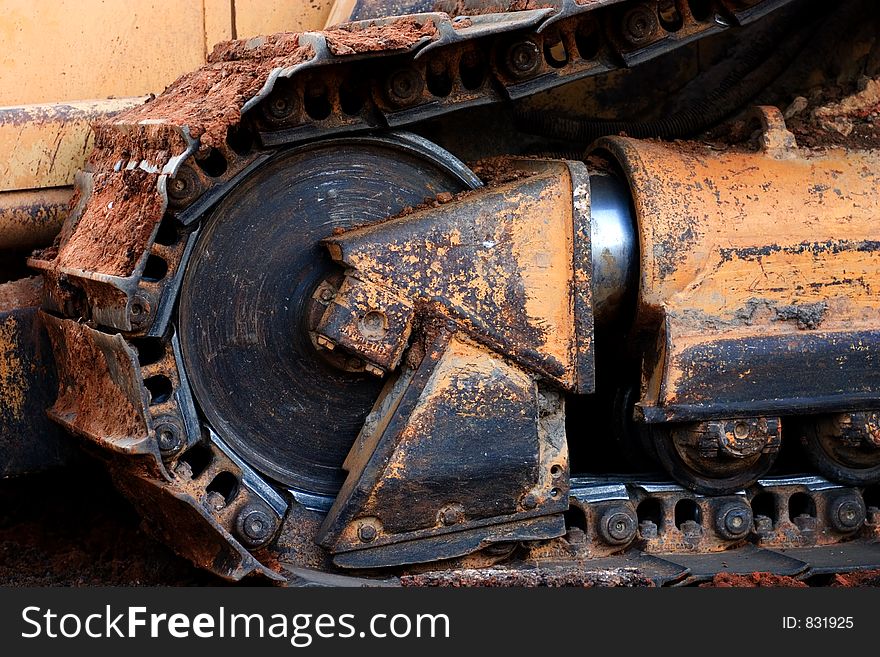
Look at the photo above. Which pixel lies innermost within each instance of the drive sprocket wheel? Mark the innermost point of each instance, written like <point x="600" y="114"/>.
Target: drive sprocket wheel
<point x="249" y="290"/>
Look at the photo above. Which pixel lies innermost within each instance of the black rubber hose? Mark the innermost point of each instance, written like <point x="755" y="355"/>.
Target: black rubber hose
<point x="754" y="70"/>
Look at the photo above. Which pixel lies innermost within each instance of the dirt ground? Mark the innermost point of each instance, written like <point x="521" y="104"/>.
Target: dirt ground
<point x="72" y="528"/>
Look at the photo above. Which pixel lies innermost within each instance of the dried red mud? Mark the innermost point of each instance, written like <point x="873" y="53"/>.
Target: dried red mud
<point x="115" y="226"/>
<point x="753" y="580"/>
<point x="481" y="7"/>
<point x="209" y="100"/>
<point x="125" y="204"/>
<point x="21" y="293"/>
<point x="89" y="394"/>
<point x="352" y="38"/>
<point x="498" y="170"/>
<point x="502" y="578"/>
<point x="851" y="580"/>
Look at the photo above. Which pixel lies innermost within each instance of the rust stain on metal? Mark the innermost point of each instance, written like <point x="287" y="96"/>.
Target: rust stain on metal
<point x="13" y="385"/>
<point x="125" y="203"/>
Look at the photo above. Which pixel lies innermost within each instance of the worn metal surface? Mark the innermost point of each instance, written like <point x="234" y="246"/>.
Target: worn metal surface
<point x="370" y="321"/>
<point x="29" y="441"/>
<point x="44" y="145"/>
<point x="757" y="271"/>
<point x="329" y="106"/>
<point x="134" y="403"/>
<point x="464" y="443"/>
<point x="838" y="559"/>
<point x="614" y="246"/>
<point x="718" y="457"/>
<point x="32" y="219"/>
<point x="776" y="513"/>
<point x="502" y="263"/>
<point x="796" y="512"/>
<point x="844" y="447"/>
<point x="358" y="10"/>
<point x="748" y="559"/>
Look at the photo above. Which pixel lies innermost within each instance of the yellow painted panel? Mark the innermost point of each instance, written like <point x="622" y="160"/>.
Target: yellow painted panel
<point x="44" y="145"/>
<point x="218" y="22"/>
<point x="253" y="17"/>
<point x="57" y="50"/>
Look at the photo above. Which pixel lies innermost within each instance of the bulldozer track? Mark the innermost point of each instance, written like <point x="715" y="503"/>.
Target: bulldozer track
<point x="157" y="171"/>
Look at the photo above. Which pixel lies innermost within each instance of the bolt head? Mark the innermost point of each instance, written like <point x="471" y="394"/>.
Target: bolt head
<point x="639" y="25"/>
<point x="404" y="86"/>
<point x="367" y="532"/>
<point x="523" y="58"/>
<point x="451" y="515"/>
<point x="254" y="525"/>
<point x="169" y="437"/>
<point x="372" y="325"/>
<point x="848" y="513"/>
<point x="185" y="185"/>
<point x="734" y="520"/>
<point x="618" y="526"/>
<point x="140" y="310"/>
<point x="529" y="501"/>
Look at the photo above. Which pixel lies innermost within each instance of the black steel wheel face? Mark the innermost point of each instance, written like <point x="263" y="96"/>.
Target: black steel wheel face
<point x="255" y="374"/>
